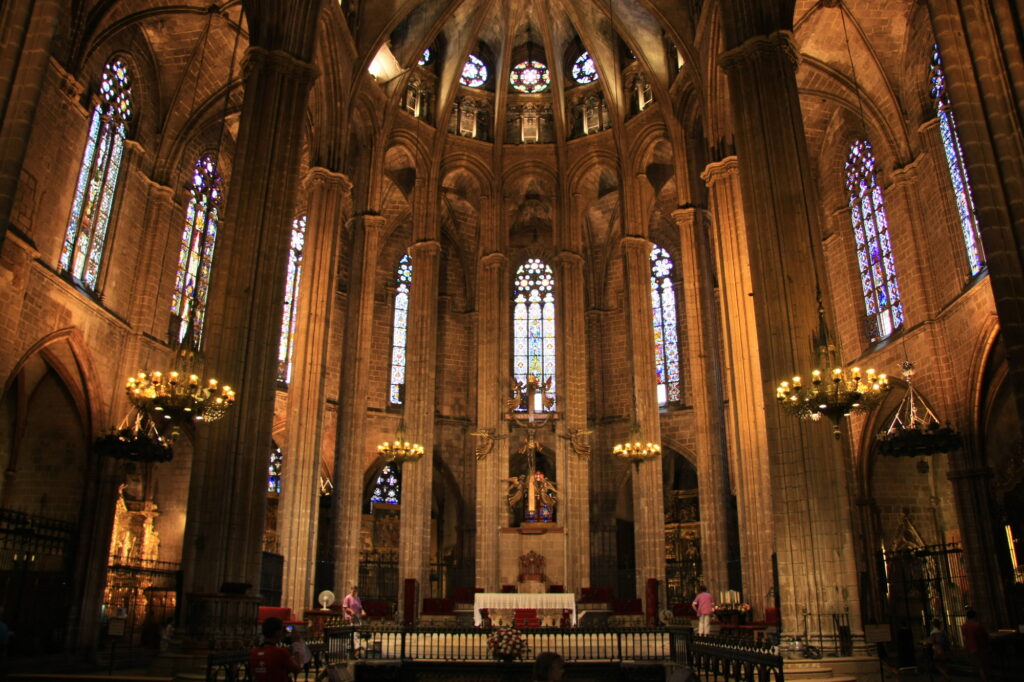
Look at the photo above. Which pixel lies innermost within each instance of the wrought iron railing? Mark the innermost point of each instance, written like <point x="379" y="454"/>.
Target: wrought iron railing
<point x="470" y="644"/>
<point x="714" y="658"/>
<point x="233" y="666"/>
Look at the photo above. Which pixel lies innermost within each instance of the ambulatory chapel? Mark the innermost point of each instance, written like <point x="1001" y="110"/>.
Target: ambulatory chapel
<point x="548" y="313"/>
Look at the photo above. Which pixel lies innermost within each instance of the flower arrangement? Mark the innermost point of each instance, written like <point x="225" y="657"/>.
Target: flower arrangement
<point x="507" y="644"/>
<point x="744" y="607"/>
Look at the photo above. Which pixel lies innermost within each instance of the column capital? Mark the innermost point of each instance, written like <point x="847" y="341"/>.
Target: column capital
<point x="633" y="242"/>
<point x="929" y="126"/>
<point x="369" y="221"/>
<point x="715" y="172"/>
<point x="906" y="172"/>
<point x="754" y="49"/>
<point x="493" y="260"/>
<point x="686" y="216"/>
<point x="570" y="258"/>
<point x="328" y="178"/>
<point x="427" y="247"/>
<point x="288" y="65"/>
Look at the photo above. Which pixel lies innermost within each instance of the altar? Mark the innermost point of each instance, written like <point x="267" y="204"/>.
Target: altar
<point x="502" y="606"/>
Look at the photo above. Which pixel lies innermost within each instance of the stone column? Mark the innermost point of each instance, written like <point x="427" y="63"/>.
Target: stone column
<point x="704" y="367"/>
<point x="984" y="65"/>
<point x="227" y="501"/>
<point x="298" y="508"/>
<point x="573" y="446"/>
<point x="807" y="478"/>
<point x="164" y="220"/>
<point x="749" y="457"/>
<point x="492" y="276"/>
<point x="420" y="382"/>
<point x="648" y="502"/>
<point x="351" y="456"/>
<point x="29" y="28"/>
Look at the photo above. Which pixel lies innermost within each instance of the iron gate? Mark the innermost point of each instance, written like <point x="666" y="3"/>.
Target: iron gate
<point x="921" y="584"/>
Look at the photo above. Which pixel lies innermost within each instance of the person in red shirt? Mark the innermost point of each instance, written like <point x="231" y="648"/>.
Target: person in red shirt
<point x="271" y="662"/>
<point x="976" y="643"/>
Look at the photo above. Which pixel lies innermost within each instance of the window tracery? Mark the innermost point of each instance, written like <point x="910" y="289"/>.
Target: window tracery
<point x="399" y="328"/>
<point x="286" y="346"/>
<point x="666" y="339"/>
<point x="882" y="301"/>
<point x="387" y="488"/>
<point x="530" y="76"/>
<point x="584" y="70"/>
<point x="534" y="323"/>
<point x="474" y="72"/>
<point x="86" y="234"/>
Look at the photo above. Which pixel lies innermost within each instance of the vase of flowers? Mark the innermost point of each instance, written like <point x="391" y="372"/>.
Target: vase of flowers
<point x="507" y="644"/>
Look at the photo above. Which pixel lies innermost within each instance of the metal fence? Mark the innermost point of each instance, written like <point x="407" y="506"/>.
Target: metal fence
<point x="922" y="584"/>
<point x="718" y="658"/>
<point x="234" y="666"/>
<point x="470" y="644"/>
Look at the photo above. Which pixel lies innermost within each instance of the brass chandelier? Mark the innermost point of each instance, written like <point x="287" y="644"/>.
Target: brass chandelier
<point x="400" y="450"/>
<point x="834" y="392"/>
<point x="634" y="449"/>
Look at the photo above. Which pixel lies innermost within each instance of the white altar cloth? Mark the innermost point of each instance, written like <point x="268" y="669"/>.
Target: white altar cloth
<point x="517" y="600"/>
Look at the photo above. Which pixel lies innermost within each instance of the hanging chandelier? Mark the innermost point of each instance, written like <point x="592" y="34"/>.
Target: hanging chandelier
<point x="178" y="398"/>
<point x="915" y="430"/>
<point x="834" y="392"/>
<point x="634" y="449"/>
<point x="400" y="450"/>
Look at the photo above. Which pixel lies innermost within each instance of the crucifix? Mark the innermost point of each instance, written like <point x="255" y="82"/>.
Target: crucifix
<point x="533" y="485"/>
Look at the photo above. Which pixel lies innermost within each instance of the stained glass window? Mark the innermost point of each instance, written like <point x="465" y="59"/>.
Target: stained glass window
<point x="388" y="486"/>
<point x="274" y="470"/>
<point x="584" y="71"/>
<point x="666" y="340"/>
<point x="957" y="166"/>
<point x="86" y="233"/>
<point x="474" y="72"/>
<point x="286" y="346"/>
<point x="534" y="323"/>
<point x="884" y="306"/>
<point x="195" y="258"/>
<point x="425" y="57"/>
<point x="400" y="325"/>
<point x="530" y="76"/>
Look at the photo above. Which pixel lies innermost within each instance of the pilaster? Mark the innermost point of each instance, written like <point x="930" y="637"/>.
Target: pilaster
<point x="328" y="195"/>
<point x="350" y="460"/>
<point x="227" y="500"/>
<point x="492" y="276"/>
<point x="705" y="374"/>
<point x="573" y="448"/>
<point x="807" y="478"/>
<point x="648" y="502"/>
<point x="746" y="409"/>
<point x="420" y="381"/>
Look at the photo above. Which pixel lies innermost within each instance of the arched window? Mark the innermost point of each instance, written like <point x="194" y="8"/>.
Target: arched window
<point x="883" y="304"/>
<point x="274" y="470"/>
<point x="533" y="323"/>
<point x="399" y="327"/>
<point x="97" y="180"/>
<point x="286" y="346"/>
<point x="530" y="76"/>
<point x="957" y="167"/>
<point x="666" y="339"/>
<point x="387" y="489"/>
<point x="425" y="57"/>
<point x="474" y="72"/>
<point x="583" y="70"/>
<point x="188" y="307"/>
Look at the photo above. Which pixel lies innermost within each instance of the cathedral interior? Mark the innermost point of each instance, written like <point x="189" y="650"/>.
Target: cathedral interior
<point x="480" y="281"/>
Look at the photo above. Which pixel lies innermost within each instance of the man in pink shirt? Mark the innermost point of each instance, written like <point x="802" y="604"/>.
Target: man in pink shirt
<point x="704" y="606"/>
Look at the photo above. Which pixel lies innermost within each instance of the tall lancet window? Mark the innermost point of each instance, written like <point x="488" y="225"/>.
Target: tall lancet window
<point x="882" y="301"/>
<point x="533" y="325"/>
<point x="274" y="469"/>
<point x="666" y="338"/>
<point x="957" y="166"/>
<point x="286" y="346"/>
<point x="97" y="179"/>
<point x="399" y="329"/>
<point x="195" y="258"/>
